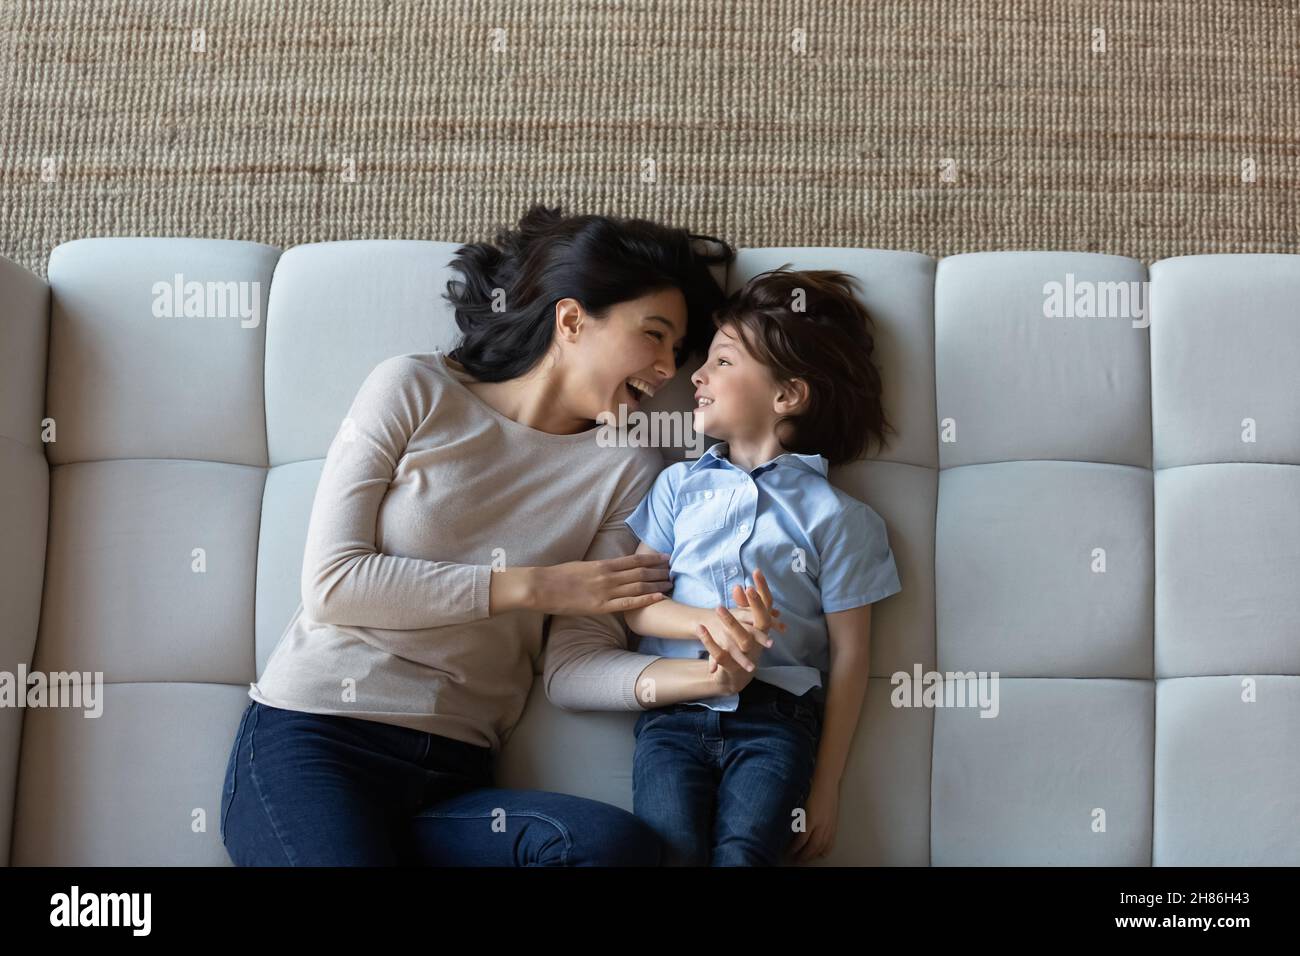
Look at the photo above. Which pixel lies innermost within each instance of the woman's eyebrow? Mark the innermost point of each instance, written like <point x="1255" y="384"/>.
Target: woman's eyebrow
<point x="660" y="318"/>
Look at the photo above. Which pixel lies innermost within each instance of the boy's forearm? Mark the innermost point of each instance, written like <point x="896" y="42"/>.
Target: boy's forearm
<point x="671" y="619"/>
<point x="844" y="698"/>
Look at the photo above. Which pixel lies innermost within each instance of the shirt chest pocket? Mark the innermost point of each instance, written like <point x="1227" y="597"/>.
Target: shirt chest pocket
<point x="699" y="512"/>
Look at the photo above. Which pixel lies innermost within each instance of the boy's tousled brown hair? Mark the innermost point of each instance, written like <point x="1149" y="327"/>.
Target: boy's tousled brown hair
<point x="829" y="344"/>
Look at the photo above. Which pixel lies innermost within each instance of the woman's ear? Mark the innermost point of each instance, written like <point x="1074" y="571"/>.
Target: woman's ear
<point x="568" y="319"/>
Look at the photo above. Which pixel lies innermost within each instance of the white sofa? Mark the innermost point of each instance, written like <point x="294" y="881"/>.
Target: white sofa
<point x="1105" y="514"/>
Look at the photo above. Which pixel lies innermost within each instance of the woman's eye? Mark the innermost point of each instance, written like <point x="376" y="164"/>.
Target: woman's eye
<point x="659" y="336"/>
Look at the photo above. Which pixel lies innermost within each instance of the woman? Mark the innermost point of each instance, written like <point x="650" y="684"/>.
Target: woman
<point x="462" y="500"/>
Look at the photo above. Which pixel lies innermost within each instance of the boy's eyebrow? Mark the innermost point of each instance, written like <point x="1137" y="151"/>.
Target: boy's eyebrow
<point x="721" y="345"/>
<point x="660" y="318"/>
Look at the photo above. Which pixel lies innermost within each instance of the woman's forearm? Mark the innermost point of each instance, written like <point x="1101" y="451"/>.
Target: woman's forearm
<point x="588" y="667"/>
<point x="512" y="589"/>
<point x="671" y="680"/>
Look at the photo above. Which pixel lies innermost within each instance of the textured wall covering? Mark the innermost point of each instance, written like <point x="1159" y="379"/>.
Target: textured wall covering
<point x="768" y="123"/>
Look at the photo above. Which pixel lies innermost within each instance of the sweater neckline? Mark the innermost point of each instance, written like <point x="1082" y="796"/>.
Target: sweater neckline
<point x="458" y="375"/>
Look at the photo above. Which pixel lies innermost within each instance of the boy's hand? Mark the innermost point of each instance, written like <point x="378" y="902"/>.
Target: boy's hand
<point x="735" y="651"/>
<point x="754" y="610"/>
<point x="821" y="817"/>
<point x="731" y="676"/>
<point x="745" y="615"/>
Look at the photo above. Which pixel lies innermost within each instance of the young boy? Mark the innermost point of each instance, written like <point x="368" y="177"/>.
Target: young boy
<point x="789" y="388"/>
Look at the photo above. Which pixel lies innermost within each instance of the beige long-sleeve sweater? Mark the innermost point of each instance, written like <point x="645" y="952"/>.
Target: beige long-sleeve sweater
<point x="424" y="489"/>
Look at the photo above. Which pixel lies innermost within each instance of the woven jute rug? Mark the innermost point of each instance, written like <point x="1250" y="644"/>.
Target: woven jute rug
<point x="1146" y="129"/>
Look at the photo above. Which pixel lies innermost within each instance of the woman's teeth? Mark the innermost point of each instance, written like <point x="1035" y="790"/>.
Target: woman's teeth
<point x="639" y="388"/>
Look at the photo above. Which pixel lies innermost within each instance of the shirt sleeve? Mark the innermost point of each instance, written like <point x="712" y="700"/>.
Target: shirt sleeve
<point x="345" y="579"/>
<point x="652" y="521"/>
<point x="856" y="565"/>
<point x="588" y="665"/>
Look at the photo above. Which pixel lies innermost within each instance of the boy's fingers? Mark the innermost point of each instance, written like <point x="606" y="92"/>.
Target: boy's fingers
<point x="762" y="619"/>
<point x="799" y="840"/>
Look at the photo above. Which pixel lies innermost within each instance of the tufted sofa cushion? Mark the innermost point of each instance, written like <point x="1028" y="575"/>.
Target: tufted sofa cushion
<point x="1103" y="511"/>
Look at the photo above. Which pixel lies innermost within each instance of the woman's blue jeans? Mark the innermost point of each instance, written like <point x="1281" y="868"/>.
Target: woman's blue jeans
<point x="323" y="790"/>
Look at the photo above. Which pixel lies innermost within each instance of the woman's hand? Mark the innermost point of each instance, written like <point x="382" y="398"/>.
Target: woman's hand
<point x="754" y="605"/>
<point x="735" y="648"/>
<point x="596" y="587"/>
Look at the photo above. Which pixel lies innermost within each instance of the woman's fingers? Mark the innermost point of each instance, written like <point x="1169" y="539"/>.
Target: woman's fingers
<point x="715" y="652"/>
<point x="619" y="604"/>
<point x="632" y="561"/>
<point x="637" y="588"/>
<point x="737" y="638"/>
<point x="638" y="576"/>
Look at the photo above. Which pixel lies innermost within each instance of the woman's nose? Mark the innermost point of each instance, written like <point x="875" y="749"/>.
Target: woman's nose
<point x="667" y="367"/>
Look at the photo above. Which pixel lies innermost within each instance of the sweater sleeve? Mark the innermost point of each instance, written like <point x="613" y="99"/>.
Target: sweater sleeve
<point x="345" y="579"/>
<point x="587" y="663"/>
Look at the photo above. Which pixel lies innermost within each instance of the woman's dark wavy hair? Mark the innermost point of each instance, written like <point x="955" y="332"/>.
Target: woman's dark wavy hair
<point x="505" y="304"/>
<point x="828" y="343"/>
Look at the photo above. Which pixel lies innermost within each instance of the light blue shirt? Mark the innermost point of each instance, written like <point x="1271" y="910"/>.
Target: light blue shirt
<point x="821" y="550"/>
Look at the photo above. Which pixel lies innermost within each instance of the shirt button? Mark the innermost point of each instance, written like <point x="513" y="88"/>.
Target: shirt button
<point x="743" y="529"/>
<point x="708" y="494"/>
<point x="731" y="570"/>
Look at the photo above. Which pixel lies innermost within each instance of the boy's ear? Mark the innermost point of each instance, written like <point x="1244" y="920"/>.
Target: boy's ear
<point x="791" y="397"/>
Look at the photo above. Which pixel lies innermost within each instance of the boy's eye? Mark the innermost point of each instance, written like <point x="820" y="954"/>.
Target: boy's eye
<point x="721" y="360"/>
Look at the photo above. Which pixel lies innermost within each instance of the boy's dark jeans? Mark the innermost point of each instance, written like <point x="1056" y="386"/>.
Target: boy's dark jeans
<point x="721" y="787"/>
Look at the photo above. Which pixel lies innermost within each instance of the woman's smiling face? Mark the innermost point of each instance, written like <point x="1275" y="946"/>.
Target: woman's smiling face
<point x="632" y="348"/>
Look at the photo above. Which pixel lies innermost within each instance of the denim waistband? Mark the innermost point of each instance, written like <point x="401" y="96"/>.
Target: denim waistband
<point x="759" y="690"/>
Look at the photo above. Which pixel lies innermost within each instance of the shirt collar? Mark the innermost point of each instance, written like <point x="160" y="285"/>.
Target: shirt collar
<point x="717" y="452"/>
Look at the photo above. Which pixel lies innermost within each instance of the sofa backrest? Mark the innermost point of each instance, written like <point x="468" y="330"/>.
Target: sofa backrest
<point x="1105" y="514"/>
<point x="24" y="501"/>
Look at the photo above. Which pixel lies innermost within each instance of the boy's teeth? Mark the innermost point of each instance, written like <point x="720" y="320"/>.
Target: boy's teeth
<point x="703" y="401"/>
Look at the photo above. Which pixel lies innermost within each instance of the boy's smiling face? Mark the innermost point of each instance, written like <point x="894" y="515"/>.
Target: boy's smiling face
<point x="734" y="392"/>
